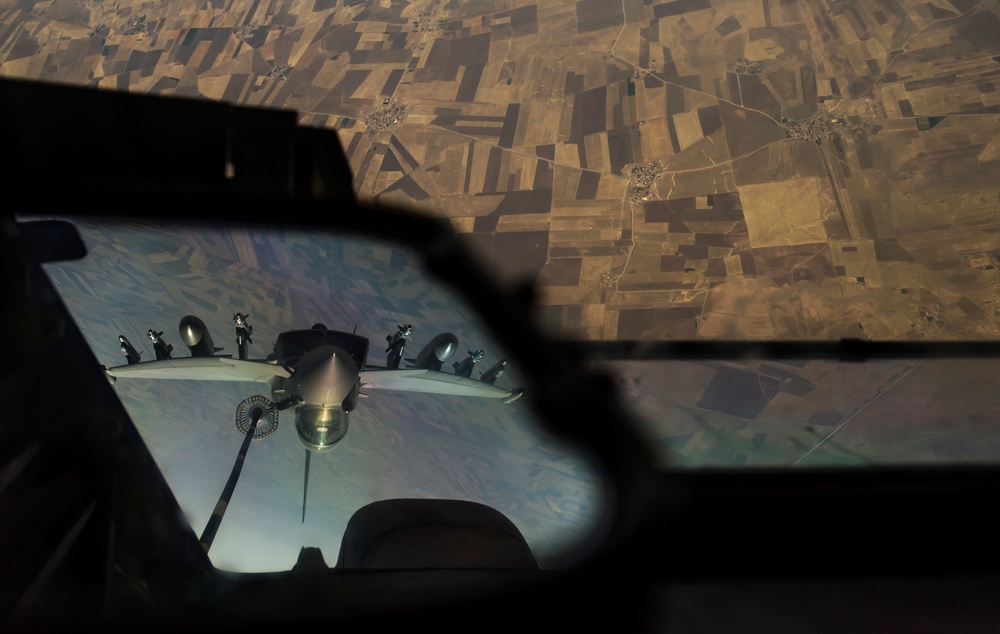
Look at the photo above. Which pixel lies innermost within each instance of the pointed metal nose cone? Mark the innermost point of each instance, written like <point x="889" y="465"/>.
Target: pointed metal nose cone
<point x="325" y="376"/>
<point x="329" y="374"/>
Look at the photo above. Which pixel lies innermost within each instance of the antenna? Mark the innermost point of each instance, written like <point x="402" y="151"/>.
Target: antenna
<point x="305" y="486"/>
<point x="256" y="417"/>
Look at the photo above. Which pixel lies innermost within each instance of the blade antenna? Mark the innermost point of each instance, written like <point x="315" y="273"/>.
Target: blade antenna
<point x="305" y="486"/>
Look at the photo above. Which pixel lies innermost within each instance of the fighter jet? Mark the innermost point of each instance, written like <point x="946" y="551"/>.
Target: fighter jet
<point x="319" y="372"/>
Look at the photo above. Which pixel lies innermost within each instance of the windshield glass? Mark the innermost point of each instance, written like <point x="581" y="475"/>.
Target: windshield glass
<point x="396" y="443"/>
<point x="321" y="429"/>
<point x="661" y="170"/>
<point x="815" y="413"/>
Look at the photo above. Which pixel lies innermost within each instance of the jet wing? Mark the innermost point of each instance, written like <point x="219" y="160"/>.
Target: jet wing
<point x="431" y="382"/>
<point x="201" y="369"/>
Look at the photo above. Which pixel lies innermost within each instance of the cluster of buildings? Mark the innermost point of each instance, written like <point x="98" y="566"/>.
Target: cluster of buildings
<point x="134" y="26"/>
<point x="383" y="118"/>
<point x="642" y="177"/>
<point x="279" y="71"/>
<point x="820" y="127"/>
<point x="245" y="32"/>
<point x="608" y="281"/>
<point x="429" y="24"/>
<point x="872" y="110"/>
<point x="745" y="66"/>
<point x="929" y="318"/>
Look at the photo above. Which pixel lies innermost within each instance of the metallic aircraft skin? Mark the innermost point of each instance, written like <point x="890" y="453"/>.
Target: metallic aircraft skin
<point x="132" y="356"/>
<point x="324" y="377"/>
<point x="194" y="333"/>
<point x="490" y="376"/>
<point x="440" y="349"/>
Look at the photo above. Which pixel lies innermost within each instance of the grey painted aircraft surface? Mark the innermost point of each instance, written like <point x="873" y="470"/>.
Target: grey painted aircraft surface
<point x="318" y="372"/>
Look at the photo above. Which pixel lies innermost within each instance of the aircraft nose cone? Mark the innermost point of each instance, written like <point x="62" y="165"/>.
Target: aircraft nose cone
<point x="325" y="377"/>
<point x="192" y="330"/>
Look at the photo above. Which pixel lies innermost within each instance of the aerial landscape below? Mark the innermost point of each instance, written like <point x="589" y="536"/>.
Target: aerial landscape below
<point x="680" y="169"/>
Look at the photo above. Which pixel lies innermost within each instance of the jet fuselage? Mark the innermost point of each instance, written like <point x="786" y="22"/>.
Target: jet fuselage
<point x="325" y="379"/>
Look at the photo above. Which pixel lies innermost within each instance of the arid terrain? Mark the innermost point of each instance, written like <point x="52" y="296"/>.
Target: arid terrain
<point x="691" y="168"/>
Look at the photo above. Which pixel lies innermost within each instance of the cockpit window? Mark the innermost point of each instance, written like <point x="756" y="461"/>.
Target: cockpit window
<point x="321" y="428"/>
<point x="815" y="413"/>
<point x="410" y="437"/>
<point x="661" y="171"/>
